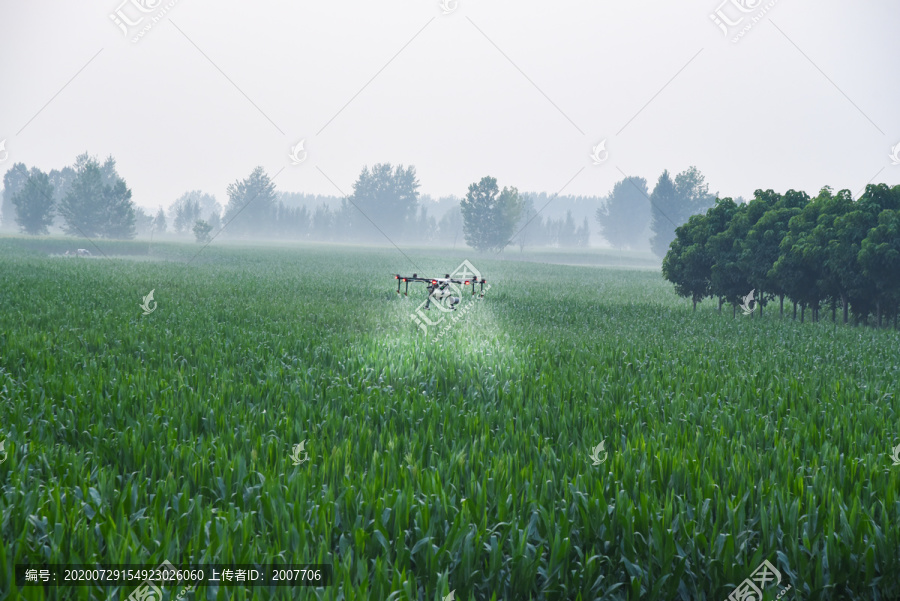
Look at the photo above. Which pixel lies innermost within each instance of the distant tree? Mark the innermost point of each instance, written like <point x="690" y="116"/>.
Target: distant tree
<point x="693" y="193"/>
<point x="425" y="226"/>
<point x="13" y="181"/>
<point x="674" y="202"/>
<point x="34" y="203"/>
<point x="159" y="222"/>
<point x="624" y="216"/>
<point x="251" y="204"/>
<point x="120" y="212"/>
<point x="663" y="215"/>
<point x="567" y="232"/>
<point x="61" y="180"/>
<point x="583" y="234"/>
<point x="201" y="231"/>
<point x="143" y="222"/>
<point x="388" y="196"/>
<point x="191" y="206"/>
<point x="489" y="215"/>
<point x="323" y="223"/>
<point x="215" y="220"/>
<point x="98" y="202"/>
<point x="186" y="214"/>
<point x="531" y="225"/>
<point x="450" y="226"/>
<point x="292" y="222"/>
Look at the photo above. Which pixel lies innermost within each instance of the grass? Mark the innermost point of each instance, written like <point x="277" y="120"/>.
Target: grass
<point x="461" y="464"/>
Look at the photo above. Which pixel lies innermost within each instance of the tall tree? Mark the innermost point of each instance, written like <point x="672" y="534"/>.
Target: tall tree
<point x="34" y="203"/>
<point x="450" y="226"/>
<point x="191" y="206"/>
<point x="82" y="208"/>
<point x="251" y="204"/>
<point x="98" y="202"/>
<point x="490" y="215"/>
<point x="663" y="214"/>
<point x="625" y="215"/>
<point x="583" y="234"/>
<point x="879" y="257"/>
<point x="728" y="280"/>
<point x="674" y="202"/>
<point x="799" y="267"/>
<point x="761" y="246"/>
<point x="13" y="181"/>
<point x="159" y="222"/>
<point x="386" y="195"/>
<point x="121" y="217"/>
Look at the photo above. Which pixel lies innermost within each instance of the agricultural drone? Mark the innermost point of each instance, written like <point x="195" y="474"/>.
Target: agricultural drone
<point x="439" y="289"/>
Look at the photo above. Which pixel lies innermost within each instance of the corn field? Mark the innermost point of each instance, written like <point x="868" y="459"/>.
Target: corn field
<point x="461" y="464"/>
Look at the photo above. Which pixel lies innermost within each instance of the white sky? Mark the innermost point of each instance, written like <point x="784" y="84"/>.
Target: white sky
<point x="808" y="97"/>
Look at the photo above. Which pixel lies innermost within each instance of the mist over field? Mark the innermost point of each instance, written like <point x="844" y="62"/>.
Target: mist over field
<point x="449" y="300"/>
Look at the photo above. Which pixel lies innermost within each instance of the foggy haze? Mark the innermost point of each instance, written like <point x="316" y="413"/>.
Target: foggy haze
<point x="521" y="91"/>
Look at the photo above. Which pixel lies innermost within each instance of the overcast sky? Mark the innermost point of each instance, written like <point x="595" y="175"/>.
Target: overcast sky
<point x="519" y="90"/>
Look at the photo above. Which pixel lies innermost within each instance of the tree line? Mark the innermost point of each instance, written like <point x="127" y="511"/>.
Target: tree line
<point x="91" y="199"/>
<point x="825" y="252"/>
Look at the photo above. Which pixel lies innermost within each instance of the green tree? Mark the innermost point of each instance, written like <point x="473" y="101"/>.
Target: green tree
<point x="450" y="226"/>
<point x="251" y="204"/>
<point x="799" y="267"/>
<point x="121" y="216"/>
<point x="191" y="206"/>
<point x="879" y="257"/>
<point x="674" y="202"/>
<point x="568" y="232"/>
<point x="82" y="207"/>
<point x="625" y="214"/>
<point x="98" y="202"/>
<point x="693" y="193"/>
<point x="663" y="212"/>
<point x="13" y="181"/>
<point x="728" y="280"/>
<point x="489" y="215"/>
<point x="386" y="195"/>
<point x="583" y="234"/>
<point x="761" y="246"/>
<point x="201" y="231"/>
<point x="159" y="222"/>
<point x="689" y="262"/>
<point x="34" y="203"/>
